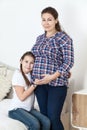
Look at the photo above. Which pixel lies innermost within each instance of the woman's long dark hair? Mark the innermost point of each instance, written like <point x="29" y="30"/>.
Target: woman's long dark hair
<point x="28" y="53"/>
<point x="54" y="13"/>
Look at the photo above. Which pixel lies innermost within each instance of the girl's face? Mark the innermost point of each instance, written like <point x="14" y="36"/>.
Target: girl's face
<point x="27" y="64"/>
<point x="48" y="22"/>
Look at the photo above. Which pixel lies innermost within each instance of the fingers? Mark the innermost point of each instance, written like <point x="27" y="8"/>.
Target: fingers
<point x="37" y="81"/>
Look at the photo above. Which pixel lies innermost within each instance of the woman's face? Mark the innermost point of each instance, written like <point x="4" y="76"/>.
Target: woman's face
<point x="48" y="22"/>
<point x="27" y="64"/>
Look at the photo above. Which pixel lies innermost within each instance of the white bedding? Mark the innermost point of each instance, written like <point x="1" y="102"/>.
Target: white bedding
<point x="7" y="123"/>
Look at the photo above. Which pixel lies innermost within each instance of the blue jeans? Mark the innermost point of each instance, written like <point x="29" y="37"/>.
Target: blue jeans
<point x="33" y="119"/>
<point x="51" y="100"/>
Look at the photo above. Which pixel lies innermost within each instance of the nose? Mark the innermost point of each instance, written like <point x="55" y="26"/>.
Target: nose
<point x="46" y="22"/>
<point x="28" y="64"/>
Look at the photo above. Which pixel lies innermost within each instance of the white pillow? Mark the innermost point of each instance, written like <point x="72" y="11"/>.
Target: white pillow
<point x="3" y="70"/>
<point x="7" y="123"/>
<point x="5" y="86"/>
<point x="9" y="74"/>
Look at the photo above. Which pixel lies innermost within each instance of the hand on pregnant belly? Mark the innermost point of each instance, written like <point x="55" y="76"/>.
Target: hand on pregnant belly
<point x="45" y="80"/>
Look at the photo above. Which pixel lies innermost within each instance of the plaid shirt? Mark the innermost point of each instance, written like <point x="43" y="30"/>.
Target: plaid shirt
<point x="53" y="54"/>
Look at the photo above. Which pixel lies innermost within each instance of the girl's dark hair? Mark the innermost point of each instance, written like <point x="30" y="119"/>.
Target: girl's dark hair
<point x="28" y="53"/>
<point x="54" y="13"/>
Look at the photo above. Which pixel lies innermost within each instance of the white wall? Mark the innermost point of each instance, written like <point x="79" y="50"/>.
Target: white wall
<point x="20" y="23"/>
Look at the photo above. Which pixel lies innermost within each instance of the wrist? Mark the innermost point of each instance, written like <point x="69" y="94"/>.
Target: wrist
<point x="55" y="75"/>
<point x="34" y="85"/>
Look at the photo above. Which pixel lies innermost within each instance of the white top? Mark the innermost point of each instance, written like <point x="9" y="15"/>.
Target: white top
<point x="28" y="103"/>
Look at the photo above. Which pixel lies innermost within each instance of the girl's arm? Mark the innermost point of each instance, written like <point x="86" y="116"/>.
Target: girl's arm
<point x="22" y="93"/>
